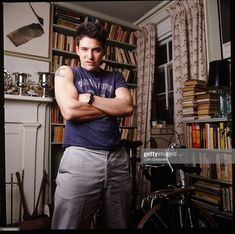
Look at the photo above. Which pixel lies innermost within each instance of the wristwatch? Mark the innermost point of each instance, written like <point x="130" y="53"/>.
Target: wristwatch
<point x="91" y="100"/>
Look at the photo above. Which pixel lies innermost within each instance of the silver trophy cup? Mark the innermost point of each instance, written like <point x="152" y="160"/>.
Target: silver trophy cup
<point x="21" y="80"/>
<point x="46" y="82"/>
<point x="7" y="80"/>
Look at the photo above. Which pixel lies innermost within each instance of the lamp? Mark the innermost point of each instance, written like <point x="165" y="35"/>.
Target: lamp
<point x="219" y="80"/>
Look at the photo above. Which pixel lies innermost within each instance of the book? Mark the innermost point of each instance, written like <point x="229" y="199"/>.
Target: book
<point x="189" y="98"/>
<point x="189" y="105"/>
<point x="196" y="88"/>
<point x="195" y="82"/>
<point x="188" y="93"/>
<point x="195" y="135"/>
<point x="205" y="185"/>
<point x="200" y="92"/>
<point x="207" y="111"/>
<point x="190" y="110"/>
<point x="212" y="198"/>
<point x="207" y="100"/>
<point x="66" y="23"/>
<point x="222" y="135"/>
<point x="210" y="106"/>
<point x="207" y="96"/>
<point x="68" y="17"/>
<point x="204" y="116"/>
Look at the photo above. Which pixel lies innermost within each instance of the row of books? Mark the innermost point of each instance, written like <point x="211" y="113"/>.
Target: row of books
<point x="118" y="33"/>
<point x="63" y="42"/>
<point x="198" y="101"/>
<point x="57" y="134"/>
<point x="129" y="134"/>
<point x="56" y="116"/>
<point x="227" y="199"/>
<point x="134" y="97"/>
<point x="216" y="195"/>
<point x="129" y="75"/>
<point x="208" y="135"/>
<point x="67" y="15"/>
<point x="220" y="169"/>
<point x="224" y="167"/>
<point x="120" y="55"/>
<point x="59" y="60"/>
<point x="128" y="121"/>
<point x="66" y="22"/>
<point x="114" y="31"/>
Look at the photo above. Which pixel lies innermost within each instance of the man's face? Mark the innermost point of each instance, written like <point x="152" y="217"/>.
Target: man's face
<point x="90" y="52"/>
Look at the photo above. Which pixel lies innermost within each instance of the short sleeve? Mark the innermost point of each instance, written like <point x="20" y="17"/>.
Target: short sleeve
<point x="119" y="80"/>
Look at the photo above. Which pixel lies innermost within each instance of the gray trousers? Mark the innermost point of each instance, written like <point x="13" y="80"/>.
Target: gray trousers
<point x="84" y="178"/>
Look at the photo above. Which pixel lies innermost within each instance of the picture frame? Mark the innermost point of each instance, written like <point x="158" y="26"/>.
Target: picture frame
<point x="29" y="36"/>
<point x="224" y="24"/>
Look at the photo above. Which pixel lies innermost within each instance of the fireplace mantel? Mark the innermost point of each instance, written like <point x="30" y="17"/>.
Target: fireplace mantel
<point x="27" y="137"/>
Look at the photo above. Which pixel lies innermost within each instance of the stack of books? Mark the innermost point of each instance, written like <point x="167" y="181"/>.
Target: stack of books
<point x="189" y="103"/>
<point x="207" y="105"/>
<point x="208" y="193"/>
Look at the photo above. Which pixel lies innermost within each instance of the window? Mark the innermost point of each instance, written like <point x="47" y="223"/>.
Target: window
<point x="162" y="99"/>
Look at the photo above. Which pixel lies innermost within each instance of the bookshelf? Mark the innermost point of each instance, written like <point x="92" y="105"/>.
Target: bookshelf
<point x="213" y="151"/>
<point x="120" y="55"/>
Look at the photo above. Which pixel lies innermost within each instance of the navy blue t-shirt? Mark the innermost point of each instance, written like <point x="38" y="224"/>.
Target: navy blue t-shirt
<point x="102" y="133"/>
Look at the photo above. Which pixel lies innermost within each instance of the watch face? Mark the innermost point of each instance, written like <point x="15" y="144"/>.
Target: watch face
<point x="91" y="99"/>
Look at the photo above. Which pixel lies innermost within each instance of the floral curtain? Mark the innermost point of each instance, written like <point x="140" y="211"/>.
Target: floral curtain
<point x="189" y="50"/>
<point x="146" y="40"/>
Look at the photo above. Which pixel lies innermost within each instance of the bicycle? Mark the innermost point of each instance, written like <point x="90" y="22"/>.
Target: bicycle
<point x="174" y="207"/>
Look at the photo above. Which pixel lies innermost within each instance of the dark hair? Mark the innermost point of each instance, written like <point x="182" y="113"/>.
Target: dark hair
<point x="91" y="30"/>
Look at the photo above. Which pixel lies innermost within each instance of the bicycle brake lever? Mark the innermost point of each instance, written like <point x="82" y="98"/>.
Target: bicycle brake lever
<point x="152" y="201"/>
<point x="142" y="203"/>
<point x="168" y="162"/>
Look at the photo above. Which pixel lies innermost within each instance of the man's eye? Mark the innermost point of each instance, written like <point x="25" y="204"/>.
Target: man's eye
<point x="98" y="50"/>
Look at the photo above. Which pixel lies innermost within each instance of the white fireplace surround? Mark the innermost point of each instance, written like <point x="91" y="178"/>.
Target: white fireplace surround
<point x="27" y="145"/>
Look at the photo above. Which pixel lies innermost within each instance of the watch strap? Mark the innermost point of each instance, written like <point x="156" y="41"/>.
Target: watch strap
<point x="91" y="100"/>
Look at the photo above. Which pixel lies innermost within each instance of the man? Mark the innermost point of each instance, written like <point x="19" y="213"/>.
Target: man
<point x="94" y="166"/>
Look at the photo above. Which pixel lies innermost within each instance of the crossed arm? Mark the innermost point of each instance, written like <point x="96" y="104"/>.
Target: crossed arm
<point x="74" y="106"/>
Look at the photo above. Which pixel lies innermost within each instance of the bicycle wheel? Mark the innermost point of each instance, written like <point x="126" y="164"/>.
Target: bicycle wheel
<point x="170" y="214"/>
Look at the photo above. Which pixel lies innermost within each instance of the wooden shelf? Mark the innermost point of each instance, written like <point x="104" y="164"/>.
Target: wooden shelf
<point x="205" y="120"/>
<point x="63" y="29"/>
<point x="207" y="133"/>
<point x="214" y="211"/>
<point x="57" y="124"/>
<point x="119" y="64"/>
<point x="122" y="44"/>
<point x="210" y="180"/>
<point x="63" y="52"/>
